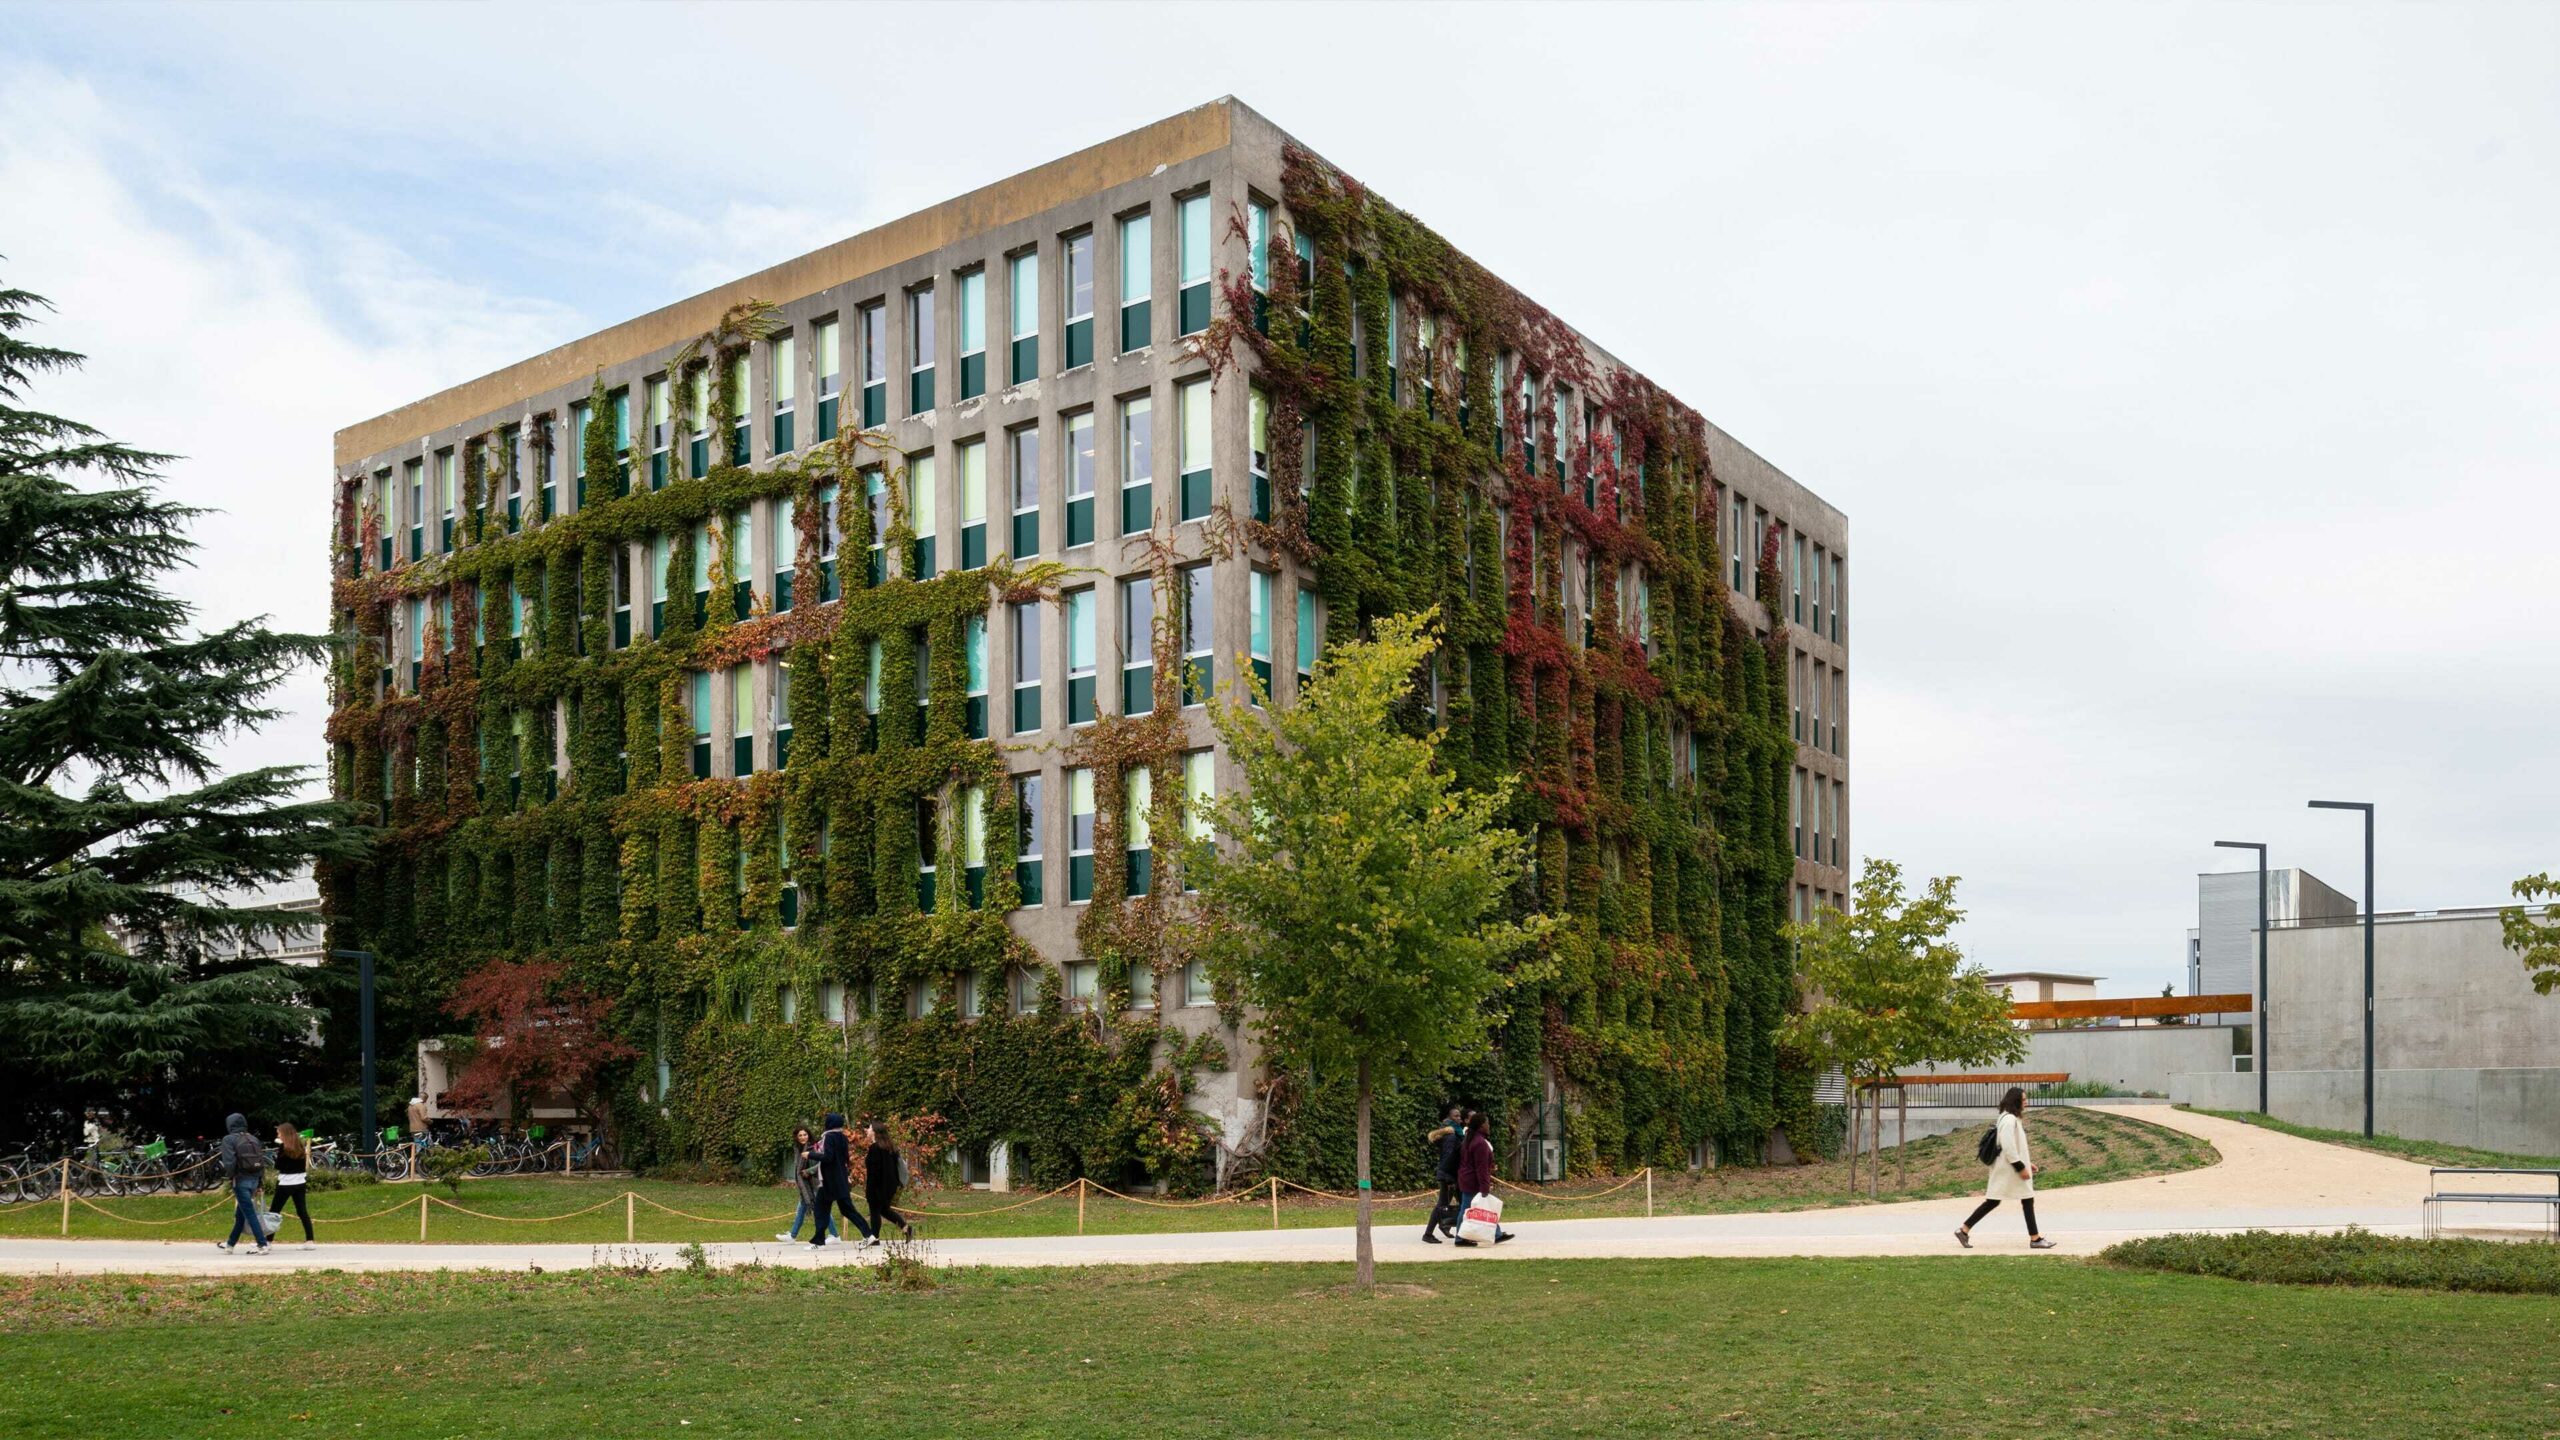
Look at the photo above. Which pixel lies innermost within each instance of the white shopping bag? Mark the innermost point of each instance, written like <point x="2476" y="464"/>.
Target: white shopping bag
<point x="1483" y="1219"/>
<point x="272" y="1221"/>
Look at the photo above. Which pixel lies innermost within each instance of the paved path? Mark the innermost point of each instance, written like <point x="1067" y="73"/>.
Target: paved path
<point x="2266" y="1180"/>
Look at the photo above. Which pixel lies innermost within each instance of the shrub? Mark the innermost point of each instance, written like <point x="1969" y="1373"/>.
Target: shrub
<point x="447" y="1164"/>
<point x="2356" y="1257"/>
<point x="341" y="1179"/>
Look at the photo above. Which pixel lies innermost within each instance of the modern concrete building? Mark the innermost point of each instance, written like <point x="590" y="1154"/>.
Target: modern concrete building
<point x="2222" y="951"/>
<point x="2033" y="985"/>
<point x="1040" y="372"/>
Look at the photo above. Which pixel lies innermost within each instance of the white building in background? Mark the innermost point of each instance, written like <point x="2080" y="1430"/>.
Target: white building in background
<point x="2222" y="951"/>
<point x="300" y="944"/>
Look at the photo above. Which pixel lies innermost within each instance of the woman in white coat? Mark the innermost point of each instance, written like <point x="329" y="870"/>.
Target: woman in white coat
<point x="2012" y="1175"/>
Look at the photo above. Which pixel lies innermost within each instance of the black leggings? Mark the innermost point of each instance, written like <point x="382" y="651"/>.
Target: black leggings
<point x="835" y="1194"/>
<point x="1986" y="1207"/>
<point x="884" y="1211"/>
<point x="1444" y="1210"/>
<point x="301" y="1206"/>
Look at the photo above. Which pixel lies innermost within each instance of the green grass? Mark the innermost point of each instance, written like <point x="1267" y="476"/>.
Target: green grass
<point x="2076" y="1147"/>
<point x="1496" y="1349"/>
<point x="2357" y="1257"/>
<point x="2425" y="1152"/>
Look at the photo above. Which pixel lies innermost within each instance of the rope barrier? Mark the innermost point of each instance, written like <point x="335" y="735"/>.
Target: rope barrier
<point x="525" y="1219"/>
<point x="993" y="1209"/>
<point x="129" y="1220"/>
<point x="711" y="1220"/>
<point x="1166" y="1204"/>
<point x="1636" y="1178"/>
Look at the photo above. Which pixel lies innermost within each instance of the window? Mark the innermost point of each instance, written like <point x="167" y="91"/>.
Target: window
<point x="654" y="413"/>
<point x="1736" y="523"/>
<point x="1839" y="700"/>
<point x="1026" y="667"/>
<point x="1022" y="283"/>
<point x="973" y="844"/>
<point x="1080" y="478"/>
<point x="698" y="421"/>
<point x="1821" y="567"/>
<point x="1026" y="849"/>
<point x="508" y="462"/>
<point x="973" y="1005"/>
<point x="415" y="473"/>
<point x="875" y="497"/>
<point x="742" y="720"/>
<point x="1022" y="447"/>
<point x="1137" y="645"/>
<point x="1026" y="990"/>
<point x="1795" y="581"/>
<point x="1259" y="629"/>
<point x="742" y="564"/>
<point x="1391" y="345"/>
<point x="1795" y="697"/>
<point x="1195" y="449"/>
<point x="928" y="852"/>
<point x="1079" y="835"/>
<point x="1137" y="465"/>
<point x="1196" y="989"/>
<point x="1839" y="803"/>
<point x="701" y="573"/>
<point x="1838" y="601"/>
<point x="874" y="341"/>
<point x="1080" y="985"/>
<point x="581" y="420"/>
<point x="1142" y="987"/>
<point x="1078" y="300"/>
<point x="920" y="497"/>
<point x="1138" y="794"/>
<point x="1307" y="636"/>
<point x="701" y="724"/>
<point x="1199" y="653"/>
<point x="1795" y="810"/>
<point x="1813" y="815"/>
<point x="417" y="628"/>
<point x="1137" y="271"/>
<point x="920" y="998"/>
<point x="830" y="537"/>
<point x="742" y="415"/>
<point x="830" y="379"/>
<point x="621" y="596"/>
<point x="831" y="1002"/>
<point x="778" y="714"/>
<point x="1197" y="791"/>
<point x="973" y="504"/>
<point x="1259" y="426"/>
<point x="1192" y="221"/>
<point x="782" y="359"/>
<point x="444" y="495"/>
<point x="871" y="677"/>
<point x="1257" y="241"/>
<point x="973" y="334"/>
<point x="924" y="683"/>
<point x="973" y="650"/>
<point x="786" y="547"/>
<point x="920" y="350"/>
<point x="1813" y="704"/>
<point x="1081" y="659"/>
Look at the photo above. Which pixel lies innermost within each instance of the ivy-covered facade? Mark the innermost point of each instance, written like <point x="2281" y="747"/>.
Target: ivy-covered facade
<point x="816" y="669"/>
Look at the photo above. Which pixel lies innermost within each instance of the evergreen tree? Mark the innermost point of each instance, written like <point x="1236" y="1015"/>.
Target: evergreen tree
<point x="126" y="981"/>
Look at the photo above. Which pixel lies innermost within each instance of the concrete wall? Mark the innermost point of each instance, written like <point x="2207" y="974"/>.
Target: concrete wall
<point x="2128" y="1057"/>
<point x="2447" y="995"/>
<point x="2512" y="1109"/>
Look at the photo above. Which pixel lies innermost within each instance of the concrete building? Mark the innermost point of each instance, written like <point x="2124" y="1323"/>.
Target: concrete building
<point x="1039" y="359"/>
<point x="2222" y="951"/>
<point x="2464" y="1050"/>
<point x="2033" y="985"/>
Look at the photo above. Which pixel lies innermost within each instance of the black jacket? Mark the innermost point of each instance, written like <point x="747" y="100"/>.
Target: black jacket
<point x="835" y="1160"/>
<point x="1453" y="1139"/>
<point x="880" y="1176"/>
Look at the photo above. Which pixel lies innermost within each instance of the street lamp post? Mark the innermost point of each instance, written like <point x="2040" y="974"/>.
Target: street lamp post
<point x="2261" y="1036"/>
<point x="2367" y="807"/>
<point x="364" y="1028"/>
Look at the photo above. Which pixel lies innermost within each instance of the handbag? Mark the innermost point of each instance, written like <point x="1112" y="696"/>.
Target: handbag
<point x="270" y="1222"/>
<point x="1483" y="1220"/>
<point x="1989" y="1150"/>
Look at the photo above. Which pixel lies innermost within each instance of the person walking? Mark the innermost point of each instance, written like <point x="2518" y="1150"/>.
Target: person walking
<point x="244" y="1161"/>
<point x="1475" y="1173"/>
<point x="881" y="1174"/>
<point x="835" y="1174"/>
<point x="1449" y="1139"/>
<point x="805" y="1170"/>
<point x="293" y="1170"/>
<point x="2011" y="1175"/>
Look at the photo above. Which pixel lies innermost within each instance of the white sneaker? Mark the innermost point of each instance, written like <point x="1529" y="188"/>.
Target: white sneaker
<point x="225" y="1246"/>
<point x="870" y="1242"/>
<point x="261" y="1250"/>
<point x="310" y="1245"/>
<point x="784" y="1237"/>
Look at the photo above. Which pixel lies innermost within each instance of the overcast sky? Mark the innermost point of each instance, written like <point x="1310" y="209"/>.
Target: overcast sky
<point x="2190" y="376"/>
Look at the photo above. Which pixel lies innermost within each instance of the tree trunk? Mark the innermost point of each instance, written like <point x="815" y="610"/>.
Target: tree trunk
<point x="1902" y="1156"/>
<point x="1854" y="1139"/>
<point x="1364" y="1272"/>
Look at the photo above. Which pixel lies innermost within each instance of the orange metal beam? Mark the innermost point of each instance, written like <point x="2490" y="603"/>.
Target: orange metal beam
<point x="2013" y="1078"/>
<point x="2140" y="1007"/>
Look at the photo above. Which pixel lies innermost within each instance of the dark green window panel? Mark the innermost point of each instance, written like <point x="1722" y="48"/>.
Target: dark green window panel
<point x="782" y="590"/>
<point x="1026" y="360"/>
<point x="621" y="628"/>
<point x="973" y="546"/>
<point x="1134" y="332"/>
<point x="742" y="755"/>
<point x="657" y="617"/>
<point x="550" y="504"/>
<point x="582" y="492"/>
<point x="1142" y="869"/>
<point x="973" y="375"/>
<point x="701" y="759"/>
<point x="976" y="878"/>
<point x="1137" y="509"/>
<point x="1026" y="534"/>
<point x="622" y="477"/>
<point x="1262" y="313"/>
<point x="1262" y="498"/>
<point x="921" y="713"/>
<point x="698" y="455"/>
<point x="830" y="413"/>
<point x="920" y="391"/>
<point x="875" y="404"/>
<point x="783" y="442"/>
<point x="1026" y="878"/>
<point x="976" y="712"/>
<point x="924" y="890"/>
<point x="448" y="534"/>
<point x="1195" y="495"/>
<point x="1199" y="680"/>
<point x="826" y="580"/>
<point x="739" y="444"/>
<point x="1137" y="690"/>
<point x="1195" y="308"/>
<point x="742" y="599"/>
<point x="515" y="520"/>
<point x="1080" y="700"/>
<point x="922" y="566"/>
<point x="1079" y="522"/>
<point x="417" y="542"/>
<point x="1079" y="877"/>
<point x="415" y="669"/>
<point x="1026" y="709"/>
<point x="515" y="647"/>
<point x="386" y="544"/>
<point x="515" y="791"/>
<point x="790" y="907"/>
<point x="1262" y="672"/>
<point x="701" y="608"/>
<point x="879" y="565"/>
<point x="658" y="470"/>
<point x="1079" y="342"/>
<point x="782" y="747"/>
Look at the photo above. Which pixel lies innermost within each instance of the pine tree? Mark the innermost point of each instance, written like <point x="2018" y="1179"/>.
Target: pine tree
<point x="126" y="981"/>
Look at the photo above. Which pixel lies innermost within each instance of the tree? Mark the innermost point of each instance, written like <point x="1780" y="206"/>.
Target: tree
<point x="534" y="1034"/>
<point x="127" y="978"/>
<point x="1356" y="901"/>
<point x="1888" y="990"/>
<point x="2536" y="942"/>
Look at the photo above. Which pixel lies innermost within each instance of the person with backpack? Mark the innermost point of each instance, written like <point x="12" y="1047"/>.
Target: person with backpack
<point x="805" y="1170"/>
<point x="881" y="1173"/>
<point x="1449" y="1140"/>
<point x="1475" y="1173"/>
<point x="2010" y="1170"/>
<point x="242" y="1160"/>
<point x="835" y="1176"/>
<point x="293" y="1172"/>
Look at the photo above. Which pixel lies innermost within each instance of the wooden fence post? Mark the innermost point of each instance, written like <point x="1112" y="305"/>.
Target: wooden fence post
<point x="630" y="1217"/>
<point x="1648" y="1192"/>
<point x="422" y="1214"/>
<point x="66" y="1195"/>
<point x="1275" y="1202"/>
<point x="1080" y="1189"/>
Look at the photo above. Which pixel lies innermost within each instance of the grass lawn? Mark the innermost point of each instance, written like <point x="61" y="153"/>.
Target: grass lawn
<point x="1903" y="1348"/>
<point x="2075" y="1146"/>
<point x="2424" y="1152"/>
